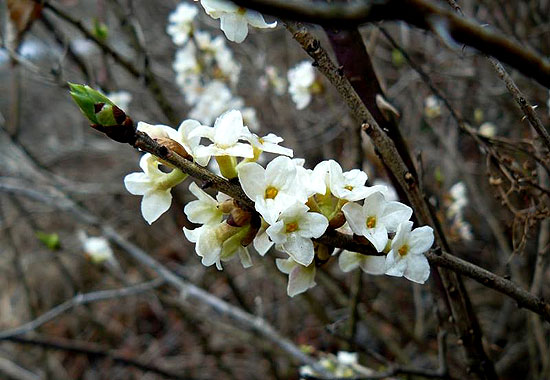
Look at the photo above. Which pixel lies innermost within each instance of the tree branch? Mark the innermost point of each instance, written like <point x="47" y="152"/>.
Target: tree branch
<point x="420" y="13"/>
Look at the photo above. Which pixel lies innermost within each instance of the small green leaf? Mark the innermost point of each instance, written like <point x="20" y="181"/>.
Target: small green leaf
<point x="100" y="30"/>
<point x="397" y="58"/>
<point x="51" y="241"/>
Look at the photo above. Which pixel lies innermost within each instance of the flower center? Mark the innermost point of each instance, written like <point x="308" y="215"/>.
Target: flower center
<point x="348" y="187"/>
<point x="241" y="11"/>
<point x="291" y="227"/>
<point x="403" y="250"/>
<point x="271" y="192"/>
<point x="371" y="222"/>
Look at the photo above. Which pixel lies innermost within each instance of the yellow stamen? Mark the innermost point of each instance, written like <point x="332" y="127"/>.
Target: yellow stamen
<point x="371" y="222"/>
<point x="271" y="192"/>
<point x="241" y="11"/>
<point x="291" y="227"/>
<point x="403" y="250"/>
<point x="348" y="187"/>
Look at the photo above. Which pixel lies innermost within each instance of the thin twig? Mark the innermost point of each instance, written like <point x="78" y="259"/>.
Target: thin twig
<point x="150" y="79"/>
<point x="93" y="351"/>
<point x="420" y="13"/>
<point x="81" y="299"/>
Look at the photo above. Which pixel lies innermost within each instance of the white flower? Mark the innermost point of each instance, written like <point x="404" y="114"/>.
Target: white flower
<point x="181" y="23"/>
<point x="272" y="189"/>
<point x="205" y="209"/>
<point x="376" y="218"/>
<point x="273" y="78"/>
<point x="351" y="184"/>
<point x="349" y="261"/>
<point x="432" y="107"/>
<point x="488" y="129"/>
<point x="155" y="187"/>
<point x="215" y="99"/>
<point x="234" y="20"/>
<point x="185" y="61"/>
<point x="294" y="230"/>
<point x="300" y="79"/>
<point x="219" y="242"/>
<point x="406" y="257"/>
<point x="97" y="248"/>
<point x="122" y="99"/>
<point x="347" y="358"/>
<point x="459" y="199"/>
<point x="300" y="278"/>
<point x="225" y="135"/>
<point x="269" y="143"/>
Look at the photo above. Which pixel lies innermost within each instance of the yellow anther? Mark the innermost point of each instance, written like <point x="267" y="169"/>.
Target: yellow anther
<point x="241" y="11"/>
<point x="371" y="222"/>
<point x="271" y="192"/>
<point x="291" y="227"/>
<point x="403" y="250"/>
<point x="348" y="187"/>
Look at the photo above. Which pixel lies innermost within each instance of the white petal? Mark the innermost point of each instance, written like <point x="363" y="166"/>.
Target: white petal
<point x="246" y="260"/>
<point x="299" y="248"/>
<point x="234" y="26"/>
<point x="137" y="183"/>
<point x="238" y="150"/>
<point x="373" y="264"/>
<point x="378" y="237"/>
<point x="395" y="264"/>
<point x="281" y="172"/>
<point x="355" y="217"/>
<point x="257" y="20"/>
<point x="261" y="242"/>
<point x="192" y="235"/>
<point x="277" y="232"/>
<point x="349" y="261"/>
<point x="218" y="6"/>
<point x="285" y="265"/>
<point x="395" y="213"/>
<point x="154" y="204"/>
<point x="421" y="239"/>
<point x="418" y="269"/>
<point x="312" y="225"/>
<point x="300" y="279"/>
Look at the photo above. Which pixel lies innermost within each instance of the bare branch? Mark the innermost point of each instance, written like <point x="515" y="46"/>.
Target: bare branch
<point x="420" y="13"/>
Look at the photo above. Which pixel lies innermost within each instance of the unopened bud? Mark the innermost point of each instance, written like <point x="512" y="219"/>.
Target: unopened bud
<point x="226" y="206"/>
<point x="322" y="253"/>
<point x="174" y="146"/>
<point x="337" y="220"/>
<point x="86" y="98"/>
<point x="238" y="217"/>
<point x="105" y="115"/>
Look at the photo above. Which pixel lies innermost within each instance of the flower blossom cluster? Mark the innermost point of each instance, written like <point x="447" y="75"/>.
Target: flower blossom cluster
<point x="206" y="71"/>
<point x="457" y="201"/>
<point x="293" y="205"/>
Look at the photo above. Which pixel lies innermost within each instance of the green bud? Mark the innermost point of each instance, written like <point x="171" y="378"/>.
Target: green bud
<point x="86" y="98"/>
<point x="100" y="30"/>
<point x="51" y="241"/>
<point x="397" y="58"/>
<point x="105" y="115"/>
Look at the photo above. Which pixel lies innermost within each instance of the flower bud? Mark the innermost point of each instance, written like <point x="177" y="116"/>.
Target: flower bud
<point x="86" y="98"/>
<point x="239" y="217"/>
<point x="174" y="146"/>
<point x="322" y="253"/>
<point x="337" y="220"/>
